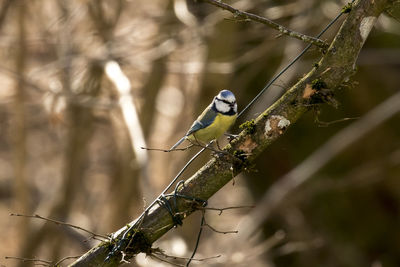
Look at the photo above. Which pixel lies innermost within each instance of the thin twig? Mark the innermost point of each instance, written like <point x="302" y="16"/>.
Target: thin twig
<point x="164" y="260"/>
<point x="204" y="223"/>
<point x="223" y="209"/>
<point x="221" y="232"/>
<point x="66" y="258"/>
<point x="36" y="261"/>
<point x="203" y="220"/>
<point x="93" y="238"/>
<point x="61" y="223"/>
<point x="167" y="150"/>
<point x="328" y="123"/>
<point x="161" y="253"/>
<point x="249" y="16"/>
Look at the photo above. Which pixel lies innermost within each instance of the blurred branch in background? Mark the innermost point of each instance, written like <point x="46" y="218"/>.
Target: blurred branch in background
<point x="325" y="153"/>
<point x="19" y="130"/>
<point x="130" y="165"/>
<point x="366" y="174"/>
<point x="80" y="120"/>
<point x="131" y="118"/>
<point x="3" y="11"/>
<point x="151" y="89"/>
<point x="131" y="162"/>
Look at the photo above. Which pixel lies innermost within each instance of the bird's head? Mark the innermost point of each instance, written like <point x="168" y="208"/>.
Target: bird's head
<point x="225" y="102"/>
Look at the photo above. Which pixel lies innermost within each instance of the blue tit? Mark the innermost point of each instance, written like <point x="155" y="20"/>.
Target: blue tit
<point x="214" y="121"/>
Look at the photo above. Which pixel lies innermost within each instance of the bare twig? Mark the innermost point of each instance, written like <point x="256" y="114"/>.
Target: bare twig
<point x="220" y="232"/>
<point x="41" y="262"/>
<point x="168" y="150"/>
<point x="66" y="258"/>
<point x="161" y="253"/>
<point x="36" y="216"/>
<point x="36" y="261"/>
<point x="221" y="210"/>
<point x="164" y="260"/>
<point x="204" y="223"/>
<point x="328" y="123"/>
<point x="249" y="16"/>
<point x="196" y="246"/>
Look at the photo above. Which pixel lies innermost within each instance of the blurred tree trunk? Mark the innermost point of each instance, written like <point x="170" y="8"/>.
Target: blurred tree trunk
<point x="19" y="129"/>
<point x="126" y="172"/>
<point x="126" y="175"/>
<point x="80" y="121"/>
<point x="5" y="7"/>
<point x="150" y="90"/>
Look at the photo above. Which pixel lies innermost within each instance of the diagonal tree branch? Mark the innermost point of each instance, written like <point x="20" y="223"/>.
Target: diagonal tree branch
<point x="316" y="87"/>
<point x="283" y="30"/>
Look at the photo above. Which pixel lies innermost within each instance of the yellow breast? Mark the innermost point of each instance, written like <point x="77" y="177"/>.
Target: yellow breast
<point x="219" y="126"/>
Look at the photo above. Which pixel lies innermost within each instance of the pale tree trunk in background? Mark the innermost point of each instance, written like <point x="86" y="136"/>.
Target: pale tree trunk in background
<point x="126" y="175"/>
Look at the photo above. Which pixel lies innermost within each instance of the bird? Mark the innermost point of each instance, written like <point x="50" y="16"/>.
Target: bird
<point x="214" y="121"/>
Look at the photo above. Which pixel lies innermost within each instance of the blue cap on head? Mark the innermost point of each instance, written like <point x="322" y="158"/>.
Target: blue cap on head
<point x="228" y="95"/>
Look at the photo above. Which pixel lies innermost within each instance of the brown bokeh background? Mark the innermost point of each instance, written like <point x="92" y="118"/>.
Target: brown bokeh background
<point x="66" y="152"/>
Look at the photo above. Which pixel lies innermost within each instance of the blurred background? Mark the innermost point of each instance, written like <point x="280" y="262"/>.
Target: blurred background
<point x="68" y="135"/>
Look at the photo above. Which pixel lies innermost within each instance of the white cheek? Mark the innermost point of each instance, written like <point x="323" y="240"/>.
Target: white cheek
<point x="235" y="108"/>
<point x="231" y="98"/>
<point x="222" y="107"/>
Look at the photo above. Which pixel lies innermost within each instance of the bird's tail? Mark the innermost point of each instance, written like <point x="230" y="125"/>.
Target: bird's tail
<point x="178" y="143"/>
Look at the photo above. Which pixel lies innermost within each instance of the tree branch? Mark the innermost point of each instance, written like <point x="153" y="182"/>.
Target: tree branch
<point x="249" y="16"/>
<point x="316" y="87"/>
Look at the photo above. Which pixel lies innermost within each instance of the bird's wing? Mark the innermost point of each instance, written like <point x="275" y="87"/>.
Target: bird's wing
<point x="205" y="119"/>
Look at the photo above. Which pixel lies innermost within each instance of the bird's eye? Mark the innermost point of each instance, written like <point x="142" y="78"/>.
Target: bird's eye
<point x="226" y="101"/>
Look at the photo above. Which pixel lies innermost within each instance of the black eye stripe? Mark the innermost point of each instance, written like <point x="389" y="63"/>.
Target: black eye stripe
<point x="225" y="101"/>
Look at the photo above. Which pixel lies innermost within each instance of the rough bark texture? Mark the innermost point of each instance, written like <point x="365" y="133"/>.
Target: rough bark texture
<point x="317" y="86"/>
